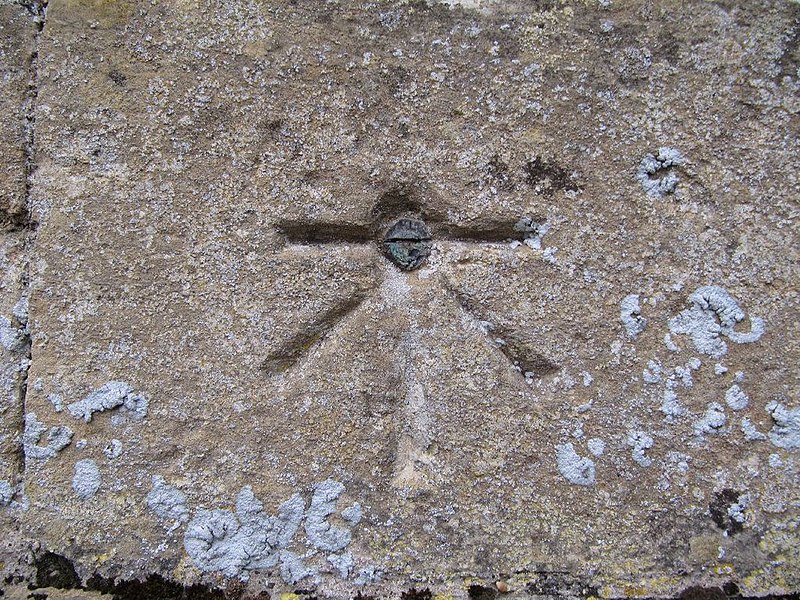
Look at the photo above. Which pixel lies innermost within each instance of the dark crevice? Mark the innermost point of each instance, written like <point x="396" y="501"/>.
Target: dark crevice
<point x="291" y="351"/>
<point x="58" y="572"/>
<point x="720" y="511"/>
<point x="548" y="178"/>
<point x="561" y="584"/>
<point x="415" y="594"/>
<point x="55" y="571"/>
<point x="481" y="592"/>
<point x="19" y="219"/>
<point x="323" y="232"/>
<point x="396" y="203"/>
<point x="156" y="587"/>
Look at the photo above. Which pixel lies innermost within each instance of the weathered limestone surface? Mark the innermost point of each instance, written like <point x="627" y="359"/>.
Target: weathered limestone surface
<point x="590" y="387"/>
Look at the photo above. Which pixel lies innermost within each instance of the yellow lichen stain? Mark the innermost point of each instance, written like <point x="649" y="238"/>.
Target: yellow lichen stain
<point x="635" y="591"/>
<point x="290" y="596"/>
<point x="655" y="587"/>
<point x="101" y="558"/>
<point x="443" y="597"/>
<point x="723" y="569"/>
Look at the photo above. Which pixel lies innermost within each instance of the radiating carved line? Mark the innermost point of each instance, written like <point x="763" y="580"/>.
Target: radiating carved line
<point x="483" y="232"/>
<point x="526" y="361"/>
<point x="299" y="345"/>
<point x="325" y="232"/>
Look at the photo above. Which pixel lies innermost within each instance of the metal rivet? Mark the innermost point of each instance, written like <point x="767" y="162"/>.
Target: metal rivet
<point x="407" y="243"/>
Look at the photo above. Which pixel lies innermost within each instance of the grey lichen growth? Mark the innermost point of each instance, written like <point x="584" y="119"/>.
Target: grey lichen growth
<point x="736" y="398"/>
<point x="714" y="313"/>
<point x="786" y="431"/>
<point x="670" y="405"/>
<point x="166" y="501"/>
<point x="57" y="439"/>
<point x="111" y="395"/>
<point x="342" y="563"/>
<point x="86" y="479"/>
<point x="237" y="543"/>
<point x="533" y="231"/>
<point x="293" y="569"/>
<point x="640" y="442"/>
<point x="650" y="175"/>
<point x="751" y="434"/>
<point x="6" y="493"/>
<point x="631" y="316"/>
<point x="56" y="401"/>
<point x="713" y="421"/>
<point x="736" y="510"/>
<point x="113" y="449"/>
<point x="575" y="469"/>
<point x="353" y="514"/>
<point x="652" y="374"/>
<point x="320" y="532"/>
<point x="12" y="338"/>
<point x="596" y="446"/>
<point x="367" y="575"/>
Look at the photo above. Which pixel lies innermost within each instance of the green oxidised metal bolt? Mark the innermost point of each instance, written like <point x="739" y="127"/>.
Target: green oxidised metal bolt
<point x="407" y="243"/>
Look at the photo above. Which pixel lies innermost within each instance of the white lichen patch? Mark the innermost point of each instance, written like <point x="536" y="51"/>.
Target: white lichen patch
<point x="236" y="543"/>
<point x="109" y="396"/>
<point x="631" y="316"/>
<point x="785" y="433"/>
<point x="113" y="449"/>
<point x="6" y="493"/>
<point x="736" y="398"/>
<point x="596" y="446"/>
<point x="670" y="405"/>
<point x="86" y="479"/>
<point x="671" y="346"/>
<point x="321" y="533"/>
<point x="56" y="401"/>
<point x="652" y="374"/>
<point x="167" y="502"/>
<point x="736" y="509"/>
<point x="575" y="468"/>
<point x="342" y="563"/>
<point x="654" y="172"/>
<point x="683" y="376"/>
<point x="12" y="338"/>
<point x="751" y="434"/>
<point x="713" y="421"/>
<point x="294" y="568"/>
<point x="714" y="313"/>
<point x="533" y="232"/>
<point x="353" y="514"/>
<point x="57" y="439"/>
<point x="640" y="442"/>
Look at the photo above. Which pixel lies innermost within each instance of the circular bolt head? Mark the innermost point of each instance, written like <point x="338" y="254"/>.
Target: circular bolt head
<point x="407" y="243"/>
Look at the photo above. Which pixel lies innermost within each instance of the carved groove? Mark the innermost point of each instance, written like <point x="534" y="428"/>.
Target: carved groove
<point x="299" y="345"/>
<point x="526" y="361"/>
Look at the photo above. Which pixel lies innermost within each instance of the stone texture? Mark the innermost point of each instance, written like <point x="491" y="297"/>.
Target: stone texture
<point x="213" y="181"/>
